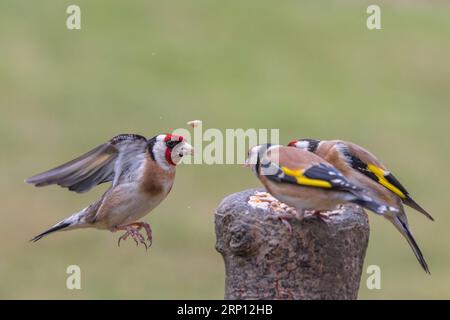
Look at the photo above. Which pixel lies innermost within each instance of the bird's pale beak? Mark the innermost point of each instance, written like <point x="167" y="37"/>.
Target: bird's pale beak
<point x="187" y="149"/>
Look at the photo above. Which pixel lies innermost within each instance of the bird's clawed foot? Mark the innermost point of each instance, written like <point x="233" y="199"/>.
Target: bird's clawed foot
<point x="133" y="231"/>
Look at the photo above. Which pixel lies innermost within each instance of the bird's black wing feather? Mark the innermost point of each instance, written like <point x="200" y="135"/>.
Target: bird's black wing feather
<point x="319" y="176"/>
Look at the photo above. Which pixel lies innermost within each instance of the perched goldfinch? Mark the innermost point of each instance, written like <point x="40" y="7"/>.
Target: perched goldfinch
<point x="305" y="181"/>
<point x="142" y="173"/>
<point x="363" y="169"/>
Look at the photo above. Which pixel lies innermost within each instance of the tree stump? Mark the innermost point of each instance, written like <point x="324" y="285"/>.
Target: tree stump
<point x="320" y="258"/>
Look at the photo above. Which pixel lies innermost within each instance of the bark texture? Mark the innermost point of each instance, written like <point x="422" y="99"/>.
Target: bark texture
<point x="320" y="259"/>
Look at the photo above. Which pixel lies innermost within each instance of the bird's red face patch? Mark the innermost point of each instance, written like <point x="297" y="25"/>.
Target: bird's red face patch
<point x="173" y="137"/>
<point x="292" y="143"/>
<point x="171" y="140"/>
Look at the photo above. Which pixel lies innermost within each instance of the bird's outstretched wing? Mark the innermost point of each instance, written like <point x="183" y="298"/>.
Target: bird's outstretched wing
<point x="104" y="163"/>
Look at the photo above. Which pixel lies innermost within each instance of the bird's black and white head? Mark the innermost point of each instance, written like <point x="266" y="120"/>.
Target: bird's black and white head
<point x="305" y="144"/>
<point x="256" y="157"/>
<point x="168" y="150"/>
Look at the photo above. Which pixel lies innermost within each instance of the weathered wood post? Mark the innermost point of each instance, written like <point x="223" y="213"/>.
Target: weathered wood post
<point x="320" y="259"/>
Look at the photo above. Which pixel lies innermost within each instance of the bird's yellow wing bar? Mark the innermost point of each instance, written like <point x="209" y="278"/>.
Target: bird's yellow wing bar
<point x="302" y="180"/>
<point x="381" y="175"/>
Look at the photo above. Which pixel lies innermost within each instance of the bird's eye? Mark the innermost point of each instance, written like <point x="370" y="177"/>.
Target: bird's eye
<point x="171" y="143"/>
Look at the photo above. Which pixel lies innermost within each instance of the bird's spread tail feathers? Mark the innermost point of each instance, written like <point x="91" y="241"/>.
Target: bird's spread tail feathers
<point x="57" y="227"/>
<point x="399" y="221"/>
<point x="411" y="203"/>
<point x="403" y="227"/>
<point x="372" y="205"/>
<point x="74" y="221"/>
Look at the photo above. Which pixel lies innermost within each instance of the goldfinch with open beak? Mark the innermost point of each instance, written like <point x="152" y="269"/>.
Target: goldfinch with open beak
<point x="141" y="173"/>
<point x="305" y="181"/>
<point x="363" y="169"/>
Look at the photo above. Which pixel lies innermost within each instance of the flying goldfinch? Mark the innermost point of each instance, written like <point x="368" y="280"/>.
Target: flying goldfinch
<point x="363" y="169"/>
<point x="305" y="181"/>
<point x="141" y="173"/>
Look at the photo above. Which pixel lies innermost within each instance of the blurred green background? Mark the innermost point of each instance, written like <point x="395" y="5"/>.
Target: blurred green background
<point x="309" y="68"/>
